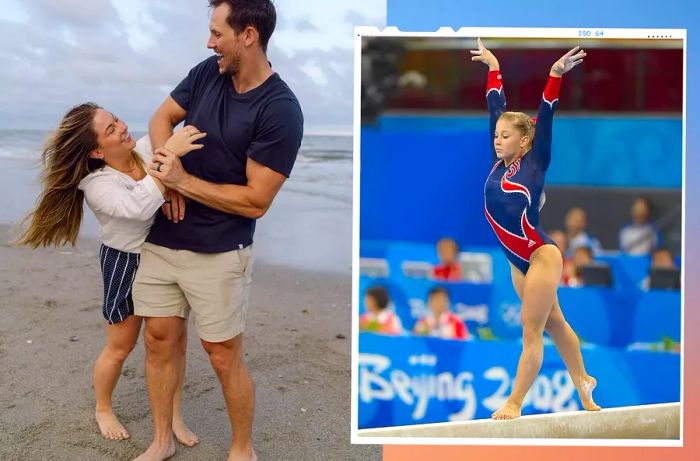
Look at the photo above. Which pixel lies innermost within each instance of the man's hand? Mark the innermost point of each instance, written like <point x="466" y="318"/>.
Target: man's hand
<point x="174" y="206"/>
<point x="168" y="168"/>
<point x="567" y="62"/>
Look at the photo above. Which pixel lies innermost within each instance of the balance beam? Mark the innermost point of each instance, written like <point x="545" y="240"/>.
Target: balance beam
<point x="660" y="421"/>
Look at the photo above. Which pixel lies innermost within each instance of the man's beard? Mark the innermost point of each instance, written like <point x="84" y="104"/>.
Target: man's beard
<point x="233" y="67"/>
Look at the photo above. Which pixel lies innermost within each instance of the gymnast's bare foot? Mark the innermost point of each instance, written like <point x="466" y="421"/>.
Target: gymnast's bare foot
<point x="507" y="411"/>
<point x="110" y="427"/>
<point x="183" y="434"/>
<point x="585" y="393"/>
<point x="158" y="451"/>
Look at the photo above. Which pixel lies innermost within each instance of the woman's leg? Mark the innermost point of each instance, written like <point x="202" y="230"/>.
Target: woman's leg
<point x="182" y="433"/>
<point x="567" y="344"/>
<point x="569" y="348"/>
<point x="121" y="338"/>
<point x="538" y="295"/>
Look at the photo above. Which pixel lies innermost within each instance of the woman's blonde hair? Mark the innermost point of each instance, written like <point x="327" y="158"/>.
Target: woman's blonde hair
<point x="66" y="161"/>
<point x="521" y="122"/>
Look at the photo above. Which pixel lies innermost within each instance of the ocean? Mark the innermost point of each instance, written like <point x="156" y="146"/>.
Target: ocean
<point x="309" y="224"/>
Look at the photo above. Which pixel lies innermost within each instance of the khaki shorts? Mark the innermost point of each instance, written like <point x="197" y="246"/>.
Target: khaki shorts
<point x="214" y="285"/>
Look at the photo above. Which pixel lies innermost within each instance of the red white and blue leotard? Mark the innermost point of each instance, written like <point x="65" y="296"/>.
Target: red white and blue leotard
<point x="514" y="195"/>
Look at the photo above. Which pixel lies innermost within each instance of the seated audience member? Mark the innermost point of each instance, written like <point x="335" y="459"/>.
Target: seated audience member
<point x="441" y="321"/>
<point x="661" y="258"/>
<point x="379" y="318"/>
<point x="571" y="276"/>
<point x="560" y="240"/>
<point x="448" y="268"/>
<point x="575" y="223"/>
<point x="562" y="243"/>
<point x="639" y="237"/>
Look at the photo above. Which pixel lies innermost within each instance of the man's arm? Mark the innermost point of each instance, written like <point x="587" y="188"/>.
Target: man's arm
<point x="161" y="124"/>
<point x="251" y="200"/>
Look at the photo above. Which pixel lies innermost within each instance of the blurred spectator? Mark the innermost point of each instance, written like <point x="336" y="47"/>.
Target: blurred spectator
<point x="572" y="274"/>
<point x="560" y="240"/>
<point x="639" y="237"/>
<point x="378" y="318"/>
<point x="661" y="258"/>
<point x="441" y="321"/>
<point x="448" y="268"/>
<point x="576" y="234"/>
<point x="562" y="243"/>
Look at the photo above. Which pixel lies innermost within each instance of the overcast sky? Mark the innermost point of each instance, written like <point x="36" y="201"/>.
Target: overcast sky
<point x="127" y="55"/>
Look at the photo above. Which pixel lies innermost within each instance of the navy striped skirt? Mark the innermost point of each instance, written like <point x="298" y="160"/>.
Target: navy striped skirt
<point x="118" y="272"/>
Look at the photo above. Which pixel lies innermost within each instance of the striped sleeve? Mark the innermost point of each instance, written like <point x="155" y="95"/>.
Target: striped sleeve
<point x="542" y="144"/>
<point x="495" y="101"/>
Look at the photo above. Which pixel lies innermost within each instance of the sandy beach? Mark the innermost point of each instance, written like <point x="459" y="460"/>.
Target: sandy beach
<point x="298" y="351"/>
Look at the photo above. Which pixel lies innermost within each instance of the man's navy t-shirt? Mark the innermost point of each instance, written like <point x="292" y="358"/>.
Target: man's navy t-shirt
<point x="265" y="124"/>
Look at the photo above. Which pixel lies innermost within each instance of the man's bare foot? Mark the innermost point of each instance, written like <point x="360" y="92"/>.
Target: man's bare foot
<point x="110" y="427"/>
<point x="236" y="456"/>
<point x="585" y="393"/>
<point x="158" y="452"/>
<point x="507" y="411"/>
<point x="183" y="434"/>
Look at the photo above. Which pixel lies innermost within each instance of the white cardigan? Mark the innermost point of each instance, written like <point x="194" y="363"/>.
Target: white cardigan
<point x="125" y="208"/>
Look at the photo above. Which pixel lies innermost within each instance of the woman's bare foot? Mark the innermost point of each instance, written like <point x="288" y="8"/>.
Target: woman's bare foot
<point x="110" y="427"/>
<point x="507" y="411"/>
<point x="158" y="452"/>
<point x="585" y="393"/>
<point x="183" y="434"/>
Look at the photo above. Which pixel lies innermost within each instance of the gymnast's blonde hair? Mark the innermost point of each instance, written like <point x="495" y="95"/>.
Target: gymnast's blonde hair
<point x="521" y="122"/>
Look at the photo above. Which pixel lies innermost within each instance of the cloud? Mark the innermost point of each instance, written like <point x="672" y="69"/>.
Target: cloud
<point x="128" y="54"/>
<point x="304" y="25"/>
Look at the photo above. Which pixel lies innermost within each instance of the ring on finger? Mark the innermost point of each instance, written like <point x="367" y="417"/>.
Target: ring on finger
<point x="160" y="164"/>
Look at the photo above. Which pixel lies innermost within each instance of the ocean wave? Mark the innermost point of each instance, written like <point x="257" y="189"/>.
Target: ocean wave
<point x="19" y="153"/>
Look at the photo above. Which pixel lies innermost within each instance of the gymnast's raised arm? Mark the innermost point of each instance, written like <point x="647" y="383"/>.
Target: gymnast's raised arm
<point x="495" y="95"/>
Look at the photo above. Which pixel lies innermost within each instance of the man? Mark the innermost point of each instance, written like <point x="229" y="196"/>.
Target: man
<point x="254" y="128"/>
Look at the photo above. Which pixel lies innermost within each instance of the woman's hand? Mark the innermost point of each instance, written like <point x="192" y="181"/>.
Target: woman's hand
<point x="182" y="141"/>
<point x="174" y="206"/>
<point x="485" y="56"/>
<point x="567" y="62"/>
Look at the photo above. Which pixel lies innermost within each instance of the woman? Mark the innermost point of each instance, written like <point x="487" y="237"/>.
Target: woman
<point x="91" y="155"/>
<point x="440" y="321"/>
<point x="379" y="317"/>
<point x="513" y="196"/>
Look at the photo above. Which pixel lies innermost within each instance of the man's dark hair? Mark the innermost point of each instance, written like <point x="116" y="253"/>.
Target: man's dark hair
<point x="379" y="294"/>
<point x="259" y="14"/>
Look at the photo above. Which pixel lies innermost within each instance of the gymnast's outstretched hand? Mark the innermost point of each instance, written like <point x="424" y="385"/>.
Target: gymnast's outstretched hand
<point x="485" y="56"/>
<point x="567" y="62"/>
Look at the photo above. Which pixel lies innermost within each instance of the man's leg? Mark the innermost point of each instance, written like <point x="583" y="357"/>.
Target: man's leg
<point x="216" y="287"/>
<point x="239" y="392"/>
<point x="162" y="336"/>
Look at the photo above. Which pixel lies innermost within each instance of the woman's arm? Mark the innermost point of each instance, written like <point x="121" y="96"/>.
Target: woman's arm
<point x="495" y="96"/>
<point x="105" y="195"/>
<point x="542" y="144"/>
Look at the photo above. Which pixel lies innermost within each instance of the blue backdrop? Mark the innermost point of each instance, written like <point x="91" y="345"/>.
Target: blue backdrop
<point x="405" y="380"/>
<point x="422" y="177"/>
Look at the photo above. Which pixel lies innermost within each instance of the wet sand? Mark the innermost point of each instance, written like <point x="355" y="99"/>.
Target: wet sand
<point x="298" y="351"/>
